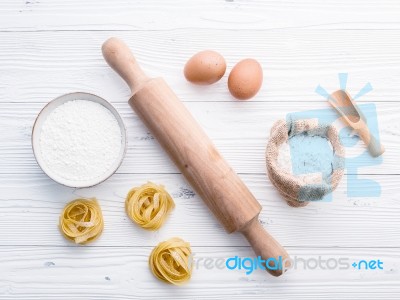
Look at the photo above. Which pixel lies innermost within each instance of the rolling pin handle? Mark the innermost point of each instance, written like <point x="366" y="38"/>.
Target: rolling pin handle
<point x="120" y="58"/>
<point x="265" y="246"/>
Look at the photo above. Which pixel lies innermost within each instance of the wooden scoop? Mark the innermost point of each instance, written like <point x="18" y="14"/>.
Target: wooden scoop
<point x="195" y="155"/>
<point x="342" y="102"/>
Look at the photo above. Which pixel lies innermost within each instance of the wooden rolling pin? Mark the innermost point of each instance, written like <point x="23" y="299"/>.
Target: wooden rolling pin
<point x="193" y="152"/>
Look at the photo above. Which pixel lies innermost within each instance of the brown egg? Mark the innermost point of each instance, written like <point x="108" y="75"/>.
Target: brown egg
<point x="205" y="67"/>
<point x="245" y="79"/>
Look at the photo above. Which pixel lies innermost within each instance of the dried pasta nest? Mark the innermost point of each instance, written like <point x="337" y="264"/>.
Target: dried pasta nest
<point x="299" y="190"/>
<point x="149" y="205"/>
<point x="81" y="221"/>
<point x="171" y="261"/>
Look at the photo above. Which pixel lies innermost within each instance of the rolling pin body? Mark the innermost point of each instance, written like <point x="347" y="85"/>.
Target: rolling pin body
<point x="193" y="152"/>
<point x="195" y="155"/>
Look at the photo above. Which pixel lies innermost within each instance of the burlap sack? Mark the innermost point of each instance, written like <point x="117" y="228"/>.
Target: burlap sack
<point x="299" y="190"/>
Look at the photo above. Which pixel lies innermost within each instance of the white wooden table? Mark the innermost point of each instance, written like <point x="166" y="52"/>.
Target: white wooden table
<point x="49" y="47"/>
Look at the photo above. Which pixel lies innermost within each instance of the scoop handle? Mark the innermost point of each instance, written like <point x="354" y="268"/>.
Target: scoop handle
<point x="120" y="58"/>
<point x="375" y="148"/>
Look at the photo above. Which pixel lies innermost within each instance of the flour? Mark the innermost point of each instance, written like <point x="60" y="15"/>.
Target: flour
<point x="80" y="140"/>
<point x="308" y="157"/>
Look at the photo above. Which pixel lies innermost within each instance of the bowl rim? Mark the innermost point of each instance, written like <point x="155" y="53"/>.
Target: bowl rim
<point x="111" y="108"/>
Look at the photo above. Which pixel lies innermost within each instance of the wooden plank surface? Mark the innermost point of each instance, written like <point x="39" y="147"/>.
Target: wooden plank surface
<point x="52" y="47"/>
<point x="75" y="273"/>
<point x="325" y="224"/>
<point x="120" y="15"/>
<point x="240" y="131"/>
<point x="48" y="64"/>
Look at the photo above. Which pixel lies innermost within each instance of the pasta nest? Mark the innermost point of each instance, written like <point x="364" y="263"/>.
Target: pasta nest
<point x="81" y="221"/>
<point x="149" y="205"/>
<point x="171" y="261"/>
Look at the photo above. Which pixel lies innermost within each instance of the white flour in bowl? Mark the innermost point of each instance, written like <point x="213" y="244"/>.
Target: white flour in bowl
<point x="80" y="140"/>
